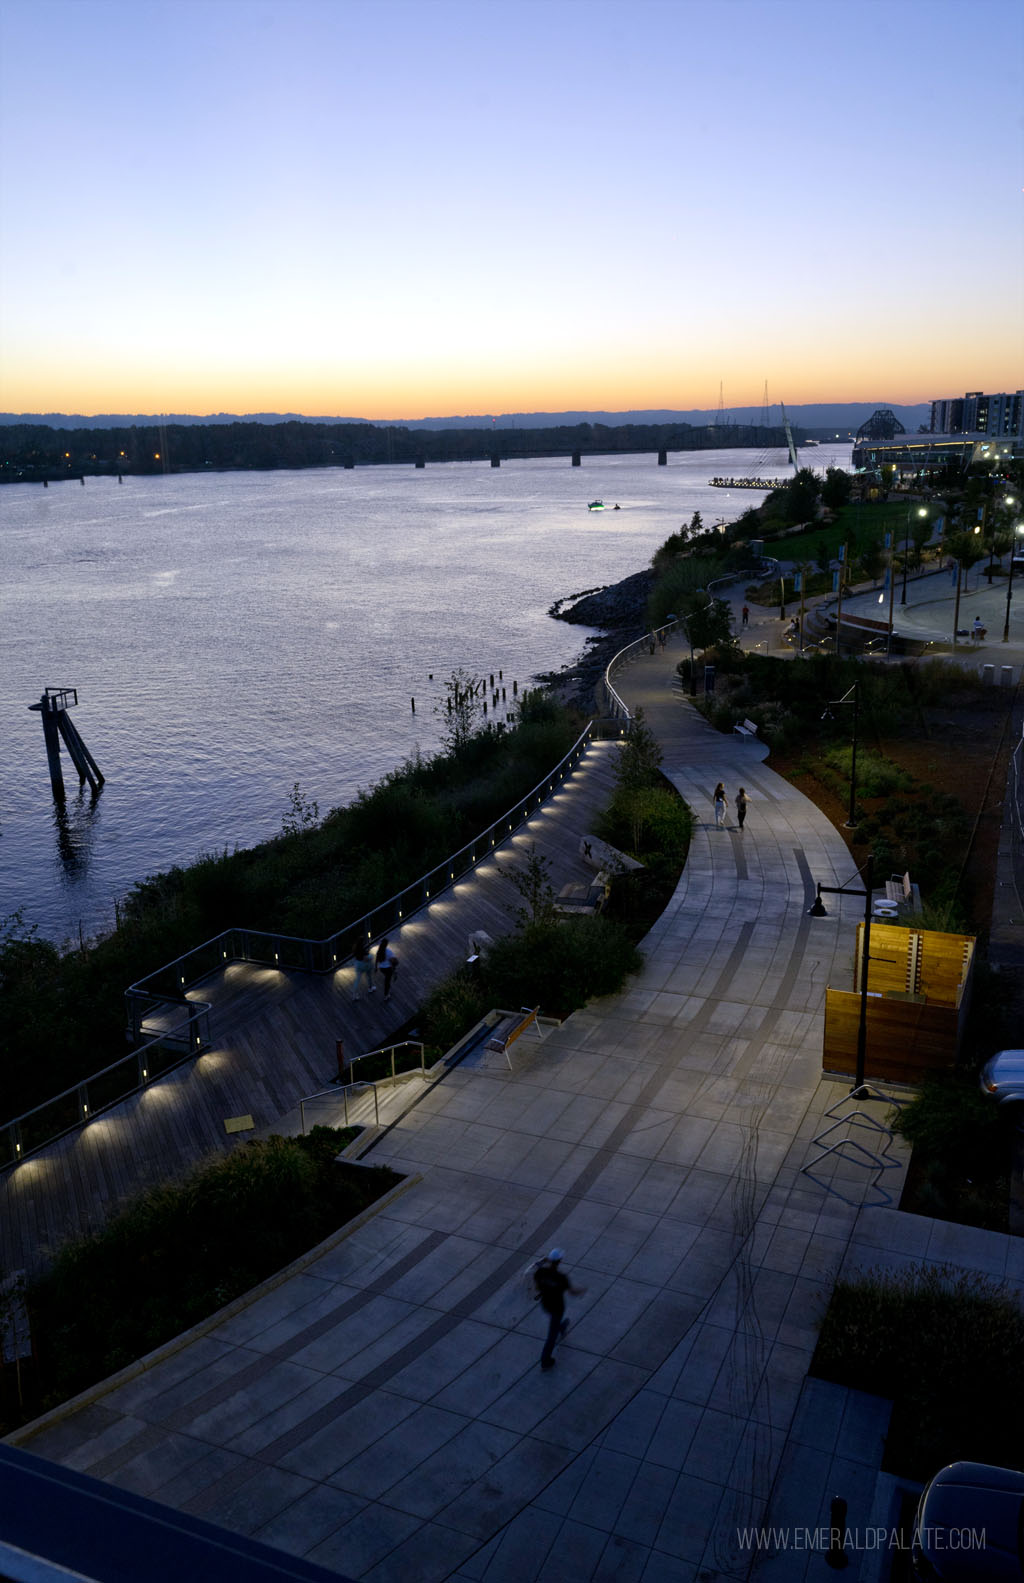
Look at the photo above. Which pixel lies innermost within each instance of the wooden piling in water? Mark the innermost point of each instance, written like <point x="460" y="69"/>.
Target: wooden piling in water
<point x="53" y="706"/>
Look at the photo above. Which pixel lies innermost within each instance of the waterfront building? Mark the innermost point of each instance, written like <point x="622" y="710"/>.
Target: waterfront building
<point x="999" y="416"/>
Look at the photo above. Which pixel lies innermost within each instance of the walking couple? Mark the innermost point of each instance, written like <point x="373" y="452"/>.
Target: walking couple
<point x="386" y="964"/>
<point x="721" y="803"/>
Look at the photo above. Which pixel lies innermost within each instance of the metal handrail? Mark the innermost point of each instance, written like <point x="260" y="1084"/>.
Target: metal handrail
<point x="325" y="955"/>
<point x="389" y="1049"/>
<point x="343" y="1091"/>
<point x="631" y="651"/>
<point x="79" y="1104"/>
<point x="619" y="709"/>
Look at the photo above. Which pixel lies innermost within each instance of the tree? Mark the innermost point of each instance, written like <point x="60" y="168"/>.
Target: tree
<point x="303" y="812"/>
<point x="708" y="622"/>
<point x="800" y="497"/>
<point x="872" y="560"/>
<point x="836" y="488"/>
<point x="532" y="882"/>
<point x="461" y="710"/>
<point x="641" y="756"/>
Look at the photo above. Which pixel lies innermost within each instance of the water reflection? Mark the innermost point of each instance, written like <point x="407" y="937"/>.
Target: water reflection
<point x="75" y="823"/>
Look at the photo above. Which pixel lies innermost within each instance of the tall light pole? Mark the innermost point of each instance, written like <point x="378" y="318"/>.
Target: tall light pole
<point x="851" y="696"/>
<point x="817" y="910"/>
<point x="1018" y="528"/>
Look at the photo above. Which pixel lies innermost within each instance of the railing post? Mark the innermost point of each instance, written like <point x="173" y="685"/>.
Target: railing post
<point x="14" y="1134"/>
<point x="83" y="1102"/>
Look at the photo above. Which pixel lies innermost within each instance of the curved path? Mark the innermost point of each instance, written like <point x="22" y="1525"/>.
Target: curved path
<point x="382" y="1411"/>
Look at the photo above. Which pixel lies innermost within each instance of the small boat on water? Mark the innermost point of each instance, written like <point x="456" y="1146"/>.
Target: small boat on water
<point x="595" y="505"/>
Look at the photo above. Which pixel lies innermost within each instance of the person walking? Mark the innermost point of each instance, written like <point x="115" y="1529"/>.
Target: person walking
<point x="746" y="614"/>
<point x="741" y="806"/>
<point x="363" y="959"/>
<point x="551" y="1284"/>
<point x="387" y="965"/>
<point x="721" y="803"/>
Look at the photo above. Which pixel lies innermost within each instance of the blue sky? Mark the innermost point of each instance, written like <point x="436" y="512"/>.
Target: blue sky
<point x="397" y="210"/>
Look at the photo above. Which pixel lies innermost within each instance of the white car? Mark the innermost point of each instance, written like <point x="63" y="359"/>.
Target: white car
<point x="1003" y="1077"/>
<point x="969" y="1526"/>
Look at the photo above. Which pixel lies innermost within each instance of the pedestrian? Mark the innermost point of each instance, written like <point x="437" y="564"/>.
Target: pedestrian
<point x="721" y="803"/>
<point x="551" y="1284"/>
<point x="746" y="614"/>
<point x="741" y="806"/>
<point x="387" y="965"/>
<point x="363" y="959"/>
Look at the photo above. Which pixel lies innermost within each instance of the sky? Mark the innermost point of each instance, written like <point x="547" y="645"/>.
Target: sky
<point x="415" y="208"/>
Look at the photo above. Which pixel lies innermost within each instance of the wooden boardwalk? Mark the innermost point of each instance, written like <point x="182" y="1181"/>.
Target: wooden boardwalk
<point x="274" y="1035"/>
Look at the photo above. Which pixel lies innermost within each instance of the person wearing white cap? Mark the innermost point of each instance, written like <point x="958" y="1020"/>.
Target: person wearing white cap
<point x="552" y="1283"/>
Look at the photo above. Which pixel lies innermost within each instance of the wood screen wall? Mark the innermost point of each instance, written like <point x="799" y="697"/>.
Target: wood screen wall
<point x="918" y="998"/>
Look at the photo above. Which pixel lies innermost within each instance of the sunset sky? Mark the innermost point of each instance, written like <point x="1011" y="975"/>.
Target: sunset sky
<point x="399" y="210"/>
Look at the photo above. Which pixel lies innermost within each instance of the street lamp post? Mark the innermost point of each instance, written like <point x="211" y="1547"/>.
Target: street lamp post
<point x="851" y="696"/>
<point x="817" y="910"/>
<point x="840" y="1119"/>
<point x="1017" y="529"/>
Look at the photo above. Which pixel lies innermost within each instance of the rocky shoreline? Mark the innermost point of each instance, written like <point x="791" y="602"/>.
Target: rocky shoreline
<point x="620" y="610"/>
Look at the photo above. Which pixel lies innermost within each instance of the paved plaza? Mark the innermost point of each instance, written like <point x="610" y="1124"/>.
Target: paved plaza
<point x="380" y="1409"/>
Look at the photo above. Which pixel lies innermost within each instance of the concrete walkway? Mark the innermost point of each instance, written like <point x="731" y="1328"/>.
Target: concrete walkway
<point x="382" y="1410"/>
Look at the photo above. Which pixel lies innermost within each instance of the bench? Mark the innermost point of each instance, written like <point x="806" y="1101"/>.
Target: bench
<point x="511" y="1027"/>
<point x="903" y="894"/>
<point x="747" y="728"/>
<point x="584" y="901"/>
<point x="898" y="888"/>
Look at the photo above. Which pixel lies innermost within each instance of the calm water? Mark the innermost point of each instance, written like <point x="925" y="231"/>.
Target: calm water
<point x="231" y="635"/>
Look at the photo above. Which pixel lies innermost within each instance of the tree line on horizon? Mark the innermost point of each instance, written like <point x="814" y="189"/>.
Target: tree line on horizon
<point x="38" y="453"/>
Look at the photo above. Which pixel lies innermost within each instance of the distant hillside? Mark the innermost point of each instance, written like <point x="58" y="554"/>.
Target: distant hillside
<point x="814" y="419"/>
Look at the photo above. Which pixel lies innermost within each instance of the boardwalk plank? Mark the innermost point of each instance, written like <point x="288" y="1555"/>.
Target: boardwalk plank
<point x="273" y="1041"/>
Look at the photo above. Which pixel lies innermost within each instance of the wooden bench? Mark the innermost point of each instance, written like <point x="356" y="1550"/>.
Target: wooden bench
<point x="903" y="894"/>
<point x="747" y="728"/>
<point x="511" y="1027"/>
<point x="584" y="901"/>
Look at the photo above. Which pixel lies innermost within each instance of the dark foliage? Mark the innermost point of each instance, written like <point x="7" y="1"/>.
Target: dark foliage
<point x="948" y="1347"/>
<point x="181" y="1251"/>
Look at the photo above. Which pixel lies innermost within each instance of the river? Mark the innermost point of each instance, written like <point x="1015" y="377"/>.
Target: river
<point x="232" y="635"/>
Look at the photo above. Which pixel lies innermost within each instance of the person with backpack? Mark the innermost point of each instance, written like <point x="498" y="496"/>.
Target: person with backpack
<point x="551" y="1284"/>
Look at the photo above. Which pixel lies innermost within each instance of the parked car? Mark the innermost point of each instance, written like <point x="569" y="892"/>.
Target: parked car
<point x="1003" y="1077"/>
<point x="969" y="1526"/>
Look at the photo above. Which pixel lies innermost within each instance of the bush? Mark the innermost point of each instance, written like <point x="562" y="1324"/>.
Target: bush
<point x="180" y="1251"/>
<point x="948" y="1347"/>
<point x="559" y="966"/>
<point x="452" y="1008"/>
